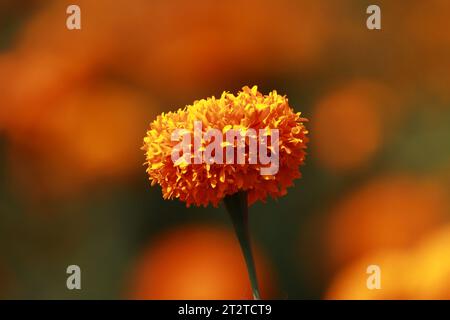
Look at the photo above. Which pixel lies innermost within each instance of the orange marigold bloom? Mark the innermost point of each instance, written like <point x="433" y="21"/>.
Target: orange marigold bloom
<point x="204" y="183"/>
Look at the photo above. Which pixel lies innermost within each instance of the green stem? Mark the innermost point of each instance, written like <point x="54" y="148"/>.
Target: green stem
<point x="237" y="208"/>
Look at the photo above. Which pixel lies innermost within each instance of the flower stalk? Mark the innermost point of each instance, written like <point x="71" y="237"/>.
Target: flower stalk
<point x="237" y="207"/>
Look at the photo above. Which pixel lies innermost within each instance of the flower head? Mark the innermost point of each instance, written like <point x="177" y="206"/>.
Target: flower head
<point x="196" y="179"/>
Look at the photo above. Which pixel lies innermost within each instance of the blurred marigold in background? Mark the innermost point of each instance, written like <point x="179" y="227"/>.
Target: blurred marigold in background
<point x="196" y="262"/>
<point x="222" y="39"/>
<point x="63" y="108"/>
<point x="348" y="125"/>
<point x="422" y="272"/>
<point x="201" y="184"/>
<point x="387" y="213"/>
<point x="430" y="45"/>
<point x="92" y="135"/>
<point x="234" y="39"/>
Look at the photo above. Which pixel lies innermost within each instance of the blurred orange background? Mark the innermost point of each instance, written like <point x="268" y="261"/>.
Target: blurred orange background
<point x="75" y="105"/>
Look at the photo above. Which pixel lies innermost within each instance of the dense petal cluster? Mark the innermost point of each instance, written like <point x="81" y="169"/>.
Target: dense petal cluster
<point x="202" y="184"/>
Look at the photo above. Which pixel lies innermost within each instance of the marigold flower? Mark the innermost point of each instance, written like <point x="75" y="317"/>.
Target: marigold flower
<point x="204" y="183"/>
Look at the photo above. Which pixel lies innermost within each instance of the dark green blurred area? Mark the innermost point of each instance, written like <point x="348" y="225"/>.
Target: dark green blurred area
<point x="108" y="222"/>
